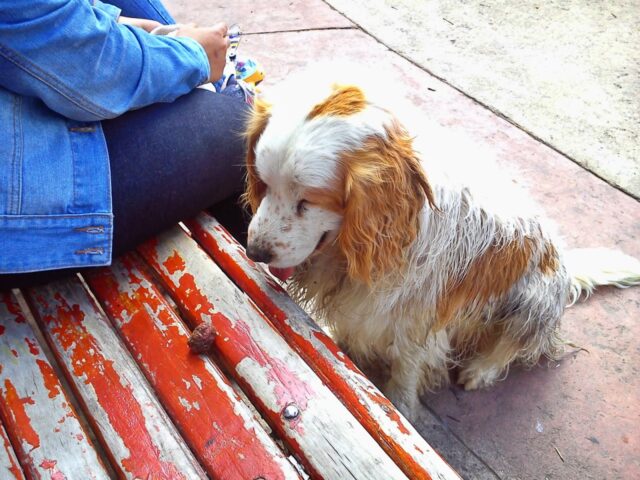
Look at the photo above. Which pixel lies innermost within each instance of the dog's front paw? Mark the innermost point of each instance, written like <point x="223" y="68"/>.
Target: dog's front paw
<point x="474" y="378"/>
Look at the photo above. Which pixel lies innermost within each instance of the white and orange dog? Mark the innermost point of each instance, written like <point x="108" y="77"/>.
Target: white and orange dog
<point x="413" y="257"/>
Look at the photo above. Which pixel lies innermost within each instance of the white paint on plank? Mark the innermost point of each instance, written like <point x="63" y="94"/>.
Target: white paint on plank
<point x="304" y="326"/>
<point x="249" y="420"/>
<point x="63" y="443"/>
<point x="339" y="446"/>
<point x="9" y="465"/>
<point x="167" y="442"/>
<point x="250" y="423"/>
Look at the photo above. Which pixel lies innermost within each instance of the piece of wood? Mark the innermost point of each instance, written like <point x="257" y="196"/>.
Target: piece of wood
<point x="48" y="438"/>
<point x="381" y="419"/>
<point x="117" y="400"/>
<point x="9" y="465"/>
<point x="220" y="429"/>
<point x="313" y="423"/>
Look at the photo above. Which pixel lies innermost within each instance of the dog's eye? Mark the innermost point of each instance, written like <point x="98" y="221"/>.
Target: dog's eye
<point x="301" y="207"/>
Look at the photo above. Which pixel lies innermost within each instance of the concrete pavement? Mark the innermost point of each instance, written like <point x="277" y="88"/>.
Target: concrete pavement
<point x="569" y="420"/>
<point x="568" y="72"/>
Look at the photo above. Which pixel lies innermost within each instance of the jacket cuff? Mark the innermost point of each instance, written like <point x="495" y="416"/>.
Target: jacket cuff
<point x="111" y="10"/>
<point x="203" y="60"/>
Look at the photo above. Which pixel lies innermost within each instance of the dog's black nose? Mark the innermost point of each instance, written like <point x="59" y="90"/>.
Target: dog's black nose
<point x="259" y="254"/>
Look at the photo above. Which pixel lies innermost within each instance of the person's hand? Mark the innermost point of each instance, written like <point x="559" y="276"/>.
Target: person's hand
<point x="142" y="23"/>
<point x="215" y="42"/>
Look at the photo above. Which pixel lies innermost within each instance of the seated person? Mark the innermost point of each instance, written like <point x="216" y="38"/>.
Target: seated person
<point x="104" y="138"/>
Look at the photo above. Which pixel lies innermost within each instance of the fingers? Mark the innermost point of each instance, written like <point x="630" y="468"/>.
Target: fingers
<point x="215" y="41"/>
<point x="150" y="25"/>
<point x="222" y="28"/>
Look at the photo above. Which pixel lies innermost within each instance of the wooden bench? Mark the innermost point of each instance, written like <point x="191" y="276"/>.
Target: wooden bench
<point x="102" y="383"/>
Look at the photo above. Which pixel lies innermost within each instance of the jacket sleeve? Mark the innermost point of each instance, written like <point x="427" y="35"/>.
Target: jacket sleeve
<point x="111" y="10"/>
<point x="85" y="66"/>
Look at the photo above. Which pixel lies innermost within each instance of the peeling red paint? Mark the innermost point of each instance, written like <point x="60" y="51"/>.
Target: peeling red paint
<point x="195" y="305"/>
<point x="14" y="466"/>
<point x="164" y="355"/>
<point x="33" y="346"/>
<point x="134" y="277"/>
<point x="224" y="234"/>
<point x="288" y="387"/>
<point x="51" y="465"/>
<point x="231" y="266"/>
<point x="13" y="307"/>
<point x="49" y="378"/>
<point x="18" y="413"/>
<point x="174" y="263"/>
<point x="65" y="324"/>
<point x="334" y="349"/>
<point x="340" y="374"/>
<point x="33" y="382"/>
<point x="231" y="257"/>
<point x="391" y="412"/>
<point x="48" y="464"/>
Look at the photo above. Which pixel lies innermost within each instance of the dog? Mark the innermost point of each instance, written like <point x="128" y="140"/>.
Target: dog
<point x="413" y="255"/>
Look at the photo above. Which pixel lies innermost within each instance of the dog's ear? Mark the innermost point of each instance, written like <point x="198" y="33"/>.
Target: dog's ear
<point x="385" y="188"/>
<point x="256" y="123"/>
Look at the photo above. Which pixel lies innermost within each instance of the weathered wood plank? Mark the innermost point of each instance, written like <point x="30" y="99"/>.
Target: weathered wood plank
<point x="9" y="465"/>
<point x="393" y="432"/>
<point x="48" y="438"/>
<point x="134" y="429"/>
<point x="325" y="437"/>
<point x="219" y="427"/>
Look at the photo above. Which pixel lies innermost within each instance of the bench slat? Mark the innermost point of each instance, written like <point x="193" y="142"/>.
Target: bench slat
<point x="219" y="427"/>
<point x="325" y="437"/>
<point x="393" y="432"/>
<point x="9" y="465"/>
<point x="49" y="439"/>
<point x="126" y="416"/>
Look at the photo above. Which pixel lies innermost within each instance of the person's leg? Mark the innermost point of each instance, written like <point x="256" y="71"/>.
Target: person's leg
<point x="169" y="162"/>
<point x="149" y="9"/>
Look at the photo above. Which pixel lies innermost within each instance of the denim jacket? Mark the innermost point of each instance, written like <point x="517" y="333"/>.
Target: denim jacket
<point x="65" y="65"/>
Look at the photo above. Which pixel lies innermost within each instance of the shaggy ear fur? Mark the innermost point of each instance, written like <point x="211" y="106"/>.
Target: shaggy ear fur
<point x="257" y="122"/>
<point x="385" y="189"/>
<point x="344" y="101"/>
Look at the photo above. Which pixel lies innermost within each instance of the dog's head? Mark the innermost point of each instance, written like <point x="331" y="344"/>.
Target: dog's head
<point x="334" y="171"/>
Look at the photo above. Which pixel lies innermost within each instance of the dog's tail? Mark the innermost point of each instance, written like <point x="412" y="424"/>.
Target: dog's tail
<point x="590" y="267"/>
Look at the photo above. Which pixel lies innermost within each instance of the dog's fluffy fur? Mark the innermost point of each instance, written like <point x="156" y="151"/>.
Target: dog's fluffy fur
<point x="423" y="258"/>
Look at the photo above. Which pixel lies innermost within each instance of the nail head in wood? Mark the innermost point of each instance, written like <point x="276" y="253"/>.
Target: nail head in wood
<point x="291" y="412"/>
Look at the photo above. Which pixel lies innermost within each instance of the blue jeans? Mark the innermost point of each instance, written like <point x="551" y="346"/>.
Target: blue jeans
<point x="149" y="9"/>
<point x="168" y="162"/>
